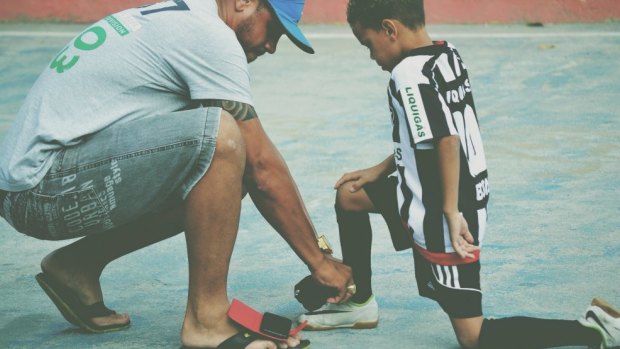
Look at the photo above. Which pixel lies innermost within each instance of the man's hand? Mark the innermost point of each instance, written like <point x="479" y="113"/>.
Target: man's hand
<point x="332" y="273"/>
<point x="461" y="238"/>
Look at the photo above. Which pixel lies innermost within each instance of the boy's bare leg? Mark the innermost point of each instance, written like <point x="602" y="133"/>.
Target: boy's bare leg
<point x="357" y="201"/>
<point x="468" y="331"/>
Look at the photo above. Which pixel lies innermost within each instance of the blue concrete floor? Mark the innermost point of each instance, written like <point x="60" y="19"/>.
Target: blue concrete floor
<point x="549" y="111"/>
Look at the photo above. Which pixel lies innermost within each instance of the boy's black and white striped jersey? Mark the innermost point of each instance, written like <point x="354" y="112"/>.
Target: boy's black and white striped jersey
<point x="430" y="97"/>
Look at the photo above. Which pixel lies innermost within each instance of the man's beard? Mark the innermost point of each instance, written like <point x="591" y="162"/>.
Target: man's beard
<point x="244" y="29"/>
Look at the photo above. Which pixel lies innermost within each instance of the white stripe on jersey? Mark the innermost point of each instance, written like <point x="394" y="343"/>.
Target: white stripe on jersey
<point x="446" y="235"/>
<point x="412" y="98"/>
<point x="471" y="140"/>
<point x="457" y="67"/>
<point x="437" y="75"/>
<point x="446" y="69"/>
<point x="410" y="169"/>
<point x="416" y="208"/>
<point x="482" y="221"/>
<point x="448" y="114"/>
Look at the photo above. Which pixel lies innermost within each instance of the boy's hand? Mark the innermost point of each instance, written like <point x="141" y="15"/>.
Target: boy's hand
<point x="362" y="177"/>
<point x="461" y="238"/>
<point x="359" y="178"/>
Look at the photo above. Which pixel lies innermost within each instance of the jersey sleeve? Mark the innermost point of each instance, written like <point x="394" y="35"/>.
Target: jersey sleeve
<point x="428" y="115"/>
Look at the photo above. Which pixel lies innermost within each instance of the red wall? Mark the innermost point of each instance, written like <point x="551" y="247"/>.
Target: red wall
<point x="507" y="11"/>
<point x="438" y="11"/>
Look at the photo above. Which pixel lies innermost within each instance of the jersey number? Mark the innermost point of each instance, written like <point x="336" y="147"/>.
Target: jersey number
<point x="179" y="5"/>
<point x="471" y="141"/>
<point x="89" y="40"/>
<point x="94" y="37"/>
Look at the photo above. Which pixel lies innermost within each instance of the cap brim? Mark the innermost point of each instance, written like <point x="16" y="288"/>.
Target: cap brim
<point x="293" y="32"/>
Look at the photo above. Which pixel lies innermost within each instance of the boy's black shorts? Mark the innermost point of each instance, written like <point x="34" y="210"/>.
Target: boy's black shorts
<point x="455" y="287"/>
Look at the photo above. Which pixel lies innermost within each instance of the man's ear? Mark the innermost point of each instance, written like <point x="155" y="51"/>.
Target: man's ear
<point x="389" y="27"/>
<point x="242" y="5"/>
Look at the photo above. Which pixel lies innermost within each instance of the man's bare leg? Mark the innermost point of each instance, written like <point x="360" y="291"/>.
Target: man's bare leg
<point x="212" y="221"/>
<point x="212" y="218"/>
<point x="80" y="264"/>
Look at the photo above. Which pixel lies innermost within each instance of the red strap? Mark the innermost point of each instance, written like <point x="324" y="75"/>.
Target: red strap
<point x="251" y="319"/>
<point x="446" y="258"/>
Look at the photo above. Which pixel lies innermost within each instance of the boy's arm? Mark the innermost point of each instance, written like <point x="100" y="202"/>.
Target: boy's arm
<point x="448" y="149"/>
<point x="369" y="175"/>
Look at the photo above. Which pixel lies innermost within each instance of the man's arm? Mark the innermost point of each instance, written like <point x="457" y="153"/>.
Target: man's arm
<point x="275" y="194"/>
<point x="240" y="111"/>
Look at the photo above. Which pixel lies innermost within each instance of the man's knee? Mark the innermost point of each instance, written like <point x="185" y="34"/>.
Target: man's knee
<point x="230" y="144"/>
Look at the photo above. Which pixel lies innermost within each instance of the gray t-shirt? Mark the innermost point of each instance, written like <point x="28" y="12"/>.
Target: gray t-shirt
<point x="145" y="61"/>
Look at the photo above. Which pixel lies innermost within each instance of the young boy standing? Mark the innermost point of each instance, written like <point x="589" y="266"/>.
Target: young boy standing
<point x="439" y="195"/>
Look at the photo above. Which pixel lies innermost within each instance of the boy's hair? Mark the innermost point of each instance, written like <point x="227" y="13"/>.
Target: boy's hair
<point x="370" y="13"/>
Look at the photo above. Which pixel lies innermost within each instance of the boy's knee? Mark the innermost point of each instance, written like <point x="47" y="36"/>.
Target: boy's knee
<point x="344" y="198"/>
<point x="229" y="144"/>
<point x="468" y="341"/>
<point x="349" y="201"/>
<point x="467" y="332"/>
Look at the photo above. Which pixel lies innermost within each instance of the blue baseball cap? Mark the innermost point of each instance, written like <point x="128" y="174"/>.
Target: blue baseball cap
<point x="289" y="13"/>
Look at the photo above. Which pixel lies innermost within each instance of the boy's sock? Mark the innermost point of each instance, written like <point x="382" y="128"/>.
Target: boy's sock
<point x="531" y="333"/>
<point x="356" y="241"/>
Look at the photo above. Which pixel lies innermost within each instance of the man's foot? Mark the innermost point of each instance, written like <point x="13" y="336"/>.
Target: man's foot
<point x="68" y="279"/>
<point x="345" y="315"/>
<point x="221" y="332"/>
<point x="606" y="320"/>
<point x="249" y="340"/>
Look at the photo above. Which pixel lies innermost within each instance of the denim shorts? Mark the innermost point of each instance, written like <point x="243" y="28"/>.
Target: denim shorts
<point x="117" y="175"/>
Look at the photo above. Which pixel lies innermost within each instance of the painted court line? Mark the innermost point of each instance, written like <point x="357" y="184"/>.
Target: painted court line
<point x="342" y="36"/>
<point x="488" y="35"/>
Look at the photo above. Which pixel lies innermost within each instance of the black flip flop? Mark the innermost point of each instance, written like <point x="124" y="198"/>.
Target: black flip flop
<point x="72" y="309"/>
<point x="243" y="339"/>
